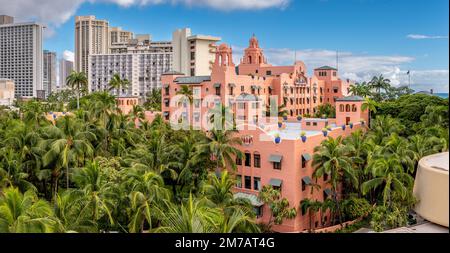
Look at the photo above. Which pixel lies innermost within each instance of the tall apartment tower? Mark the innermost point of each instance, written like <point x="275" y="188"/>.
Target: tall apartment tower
<point x="91" y="37"/>
<point x="117" y="35"/>
<point x="193" y="55"/>
<point x="65" y="68"/>
<point x="21" y="56"/>
<point x="49" y="72"/>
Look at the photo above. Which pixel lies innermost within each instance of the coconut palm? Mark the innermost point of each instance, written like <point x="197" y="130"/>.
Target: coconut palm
<point x="194" y="216"/>
<point x="117" y="83"/>
<point x="25" y="213"/>
<point x="99" y="193"/>
<point x="357" y="154"/>
<point x="389" y="176"/>
<point x="221" y="145"/>
<point x="330" y="158"/>
<point x="186" y="91"/>
<point x="70" y="209"/>
<point x="78" y="82"/>
<point x="371" y="106"/>
<point x="311" y="206"/>
<point x="360" y="89"/>
<point x="379" y="83"/>
<point x="146" y="193"/>
<point x="68" y="145"/>
<point x="153" y="100"/>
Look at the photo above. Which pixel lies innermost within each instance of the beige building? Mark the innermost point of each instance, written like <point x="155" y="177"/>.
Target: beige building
<point x="91" y="37"/>
<point x="65" y="68"/>
<point x="119" y="36"/>
<point x="6" y="91"/>
<point x="49" y="72"/>
<point x="193" y="55"/>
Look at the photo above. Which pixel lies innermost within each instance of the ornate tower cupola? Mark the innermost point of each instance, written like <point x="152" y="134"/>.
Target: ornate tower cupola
<point x="224" y="56"/>
<point x="254" y="54"/>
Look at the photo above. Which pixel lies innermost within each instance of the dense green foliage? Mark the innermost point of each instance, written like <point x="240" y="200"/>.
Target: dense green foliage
<point x="377" y="168"/>
<point x="94" y="170"/>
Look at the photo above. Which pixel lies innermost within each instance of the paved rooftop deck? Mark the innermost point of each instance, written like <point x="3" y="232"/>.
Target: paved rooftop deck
<point x="293" y="129"/>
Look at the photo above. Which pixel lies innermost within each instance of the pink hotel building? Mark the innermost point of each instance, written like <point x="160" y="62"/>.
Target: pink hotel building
<point x="283" y="162"/>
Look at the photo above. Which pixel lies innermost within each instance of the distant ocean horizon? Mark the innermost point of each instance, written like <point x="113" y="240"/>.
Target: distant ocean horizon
<point x="442" y="95"/>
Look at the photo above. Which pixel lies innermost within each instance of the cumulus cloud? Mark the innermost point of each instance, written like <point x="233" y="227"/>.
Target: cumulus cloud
<point x="425" y="37"/>
<point x="358" y="67"/>
<point x="53" y="13"/>
<point x="68" y="55"/>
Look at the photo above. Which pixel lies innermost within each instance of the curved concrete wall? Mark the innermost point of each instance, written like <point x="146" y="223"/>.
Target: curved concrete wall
<point x="431" y="188"/>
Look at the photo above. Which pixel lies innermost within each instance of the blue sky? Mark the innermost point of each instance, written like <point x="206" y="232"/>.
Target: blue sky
<point x="372" y="36"/>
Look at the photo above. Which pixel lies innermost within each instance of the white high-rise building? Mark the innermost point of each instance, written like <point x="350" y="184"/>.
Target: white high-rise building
<point x="65" y="68"/>
<point x="142" y="70"/>
<point x="21" y="56"/>
<point x="193" y="54"/>
<point x="49" y="72"/>
<point x="91" y="37"/>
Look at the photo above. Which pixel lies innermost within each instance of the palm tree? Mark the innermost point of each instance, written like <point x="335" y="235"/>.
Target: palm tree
<point x="117" y="83"/>
<point x="98" y="193"/>
<point x="194" y="216"/>
<point x="389" y="176"/>
<point x="311" y="206"/>
<point x="397" y="147"/>
<point x="70" y="209"/>
<point x="137" y="113"/>
<point x="423" y="146"/>
<point x="186" y="91"/>
<point x="25" y="213"/>
<point x="226" y="118"/>
<point x="68" y="145"/>
<point x="78" y="82"/>
<point x="221" y="145"/>
<point x="330" y="158"/>
<point x="357" y="154"/>
<point x="153" y="101"/>
<point x="147" y="192"/>
<point x="380" y="83"/>
<point x="371" y="106"/>
<point x="360" y="89"/>
<point x="219" y="189"/>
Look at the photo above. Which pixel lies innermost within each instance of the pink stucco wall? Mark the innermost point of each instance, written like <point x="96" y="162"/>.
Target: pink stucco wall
<point x="302" y="93"/>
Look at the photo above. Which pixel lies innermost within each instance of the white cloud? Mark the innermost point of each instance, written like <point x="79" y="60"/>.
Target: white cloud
<point x="68" y="55"/>
<point x="425" y="37"/>
<point x="359" y="67"/>
<point x="53" y="13"/>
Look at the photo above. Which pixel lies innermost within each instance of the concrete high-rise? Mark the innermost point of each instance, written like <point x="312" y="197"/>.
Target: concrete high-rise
<point x="65" y="68"/>
<point x="91" y="37"/>
<point x="21" y="56"/>
<point x="49" y="72"/>
<point x="193" y="54"/>
<point x="117" y="36"/>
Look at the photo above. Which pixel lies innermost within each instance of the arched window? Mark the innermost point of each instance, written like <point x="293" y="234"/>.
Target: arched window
<point x="341" y="108"/>
<point x="260" y="59"/>
<point x="347" y="108"/>
<point x="354" y="109"/>
<point x="292" y="113"/>
<point x="250" y="59"/>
